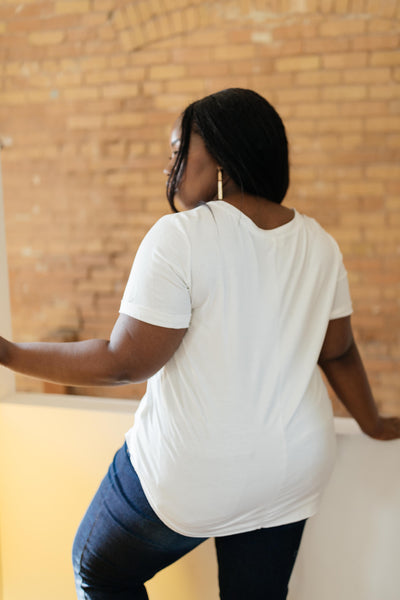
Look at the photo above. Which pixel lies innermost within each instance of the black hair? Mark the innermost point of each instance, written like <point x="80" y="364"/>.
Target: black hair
<point x="245" y="135"/>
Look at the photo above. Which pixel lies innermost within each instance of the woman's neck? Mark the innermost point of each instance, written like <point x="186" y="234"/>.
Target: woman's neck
<point x="264" y="213"/>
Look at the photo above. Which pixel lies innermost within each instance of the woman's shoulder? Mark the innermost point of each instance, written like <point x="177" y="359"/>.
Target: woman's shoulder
<point x="186" y="221"/>
<point x="318" y="233"/>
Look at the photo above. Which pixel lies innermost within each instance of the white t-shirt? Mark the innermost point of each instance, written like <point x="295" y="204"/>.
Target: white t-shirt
<point x="235" y="432"/>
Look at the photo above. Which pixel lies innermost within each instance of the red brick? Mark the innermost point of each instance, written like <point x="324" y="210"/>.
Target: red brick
<point x="297" y="95"/>
<point x="299" y="30"/>
<point x="46" y="38"/>
<point x="298" y="63"/>
<point x="385" y="58"/>
<point x="81" y="93"/>
<point x="120" y="91"/>
<point x="103" y="76"/>
<point x="344" y="60"/>
<point x="72" y="6"/>
<point x="344" y="92"/>
<point x="85" y="122"/>
<point x="342" y="27"/>
<point x="383" y="124"/>
<point x="383" y="171"/>
<point x="367" y="75"/>
<point x="376" y="42"/>
<point x="167" y="72"/>
<point x="386" y="92"/>
<point x="191" y="86"/>
<point x="51" y="24"/>
<point x="234" y="52"/>
<point x="103" y="5"/>
<point x="324" y="45"/>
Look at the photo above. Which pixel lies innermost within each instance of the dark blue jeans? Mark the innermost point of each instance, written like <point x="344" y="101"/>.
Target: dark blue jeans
<point x="121" y="544"/>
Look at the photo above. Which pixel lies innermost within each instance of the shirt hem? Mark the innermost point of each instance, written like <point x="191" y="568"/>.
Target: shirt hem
<point x="300" y="516"/>
<point x="305" y="512"/>
<point x="339" y="313"/>
<point x="214" y="533"/>
<point x="143" y="314"/>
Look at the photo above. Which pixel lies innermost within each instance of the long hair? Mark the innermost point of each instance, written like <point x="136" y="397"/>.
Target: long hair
<point x="245" y="135"/>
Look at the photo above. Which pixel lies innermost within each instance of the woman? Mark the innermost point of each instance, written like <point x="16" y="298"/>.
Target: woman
<point x="230" y="307"/>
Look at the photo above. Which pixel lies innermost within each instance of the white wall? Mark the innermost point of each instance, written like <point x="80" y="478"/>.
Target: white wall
<point x="53" y="453"/>
<point x="351" y="549"/>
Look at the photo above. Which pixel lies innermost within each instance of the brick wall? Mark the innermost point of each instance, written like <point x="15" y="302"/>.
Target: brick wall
<point x="88" y="92"/>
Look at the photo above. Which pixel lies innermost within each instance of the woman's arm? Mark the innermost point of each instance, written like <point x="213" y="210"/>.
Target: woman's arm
<point x="134" y="352"/>
<point x="343" y="367"/>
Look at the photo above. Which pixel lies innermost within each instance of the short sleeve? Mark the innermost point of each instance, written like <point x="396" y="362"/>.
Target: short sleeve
<point x="158" y="288"/>
<point x="342" y="305"/>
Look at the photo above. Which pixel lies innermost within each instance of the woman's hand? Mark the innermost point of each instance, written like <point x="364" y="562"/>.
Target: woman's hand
<point x="387" y="428"/>
<point x="344" y="369"/>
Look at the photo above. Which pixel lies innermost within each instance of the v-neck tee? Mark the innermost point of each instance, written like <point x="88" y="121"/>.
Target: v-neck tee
<point x="235" y="432"/>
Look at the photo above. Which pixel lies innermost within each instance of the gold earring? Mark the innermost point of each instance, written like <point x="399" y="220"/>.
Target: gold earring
<point x="220" y="187"/>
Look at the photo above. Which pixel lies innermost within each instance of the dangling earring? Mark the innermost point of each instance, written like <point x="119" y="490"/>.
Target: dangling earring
<point x="220" y="188"/>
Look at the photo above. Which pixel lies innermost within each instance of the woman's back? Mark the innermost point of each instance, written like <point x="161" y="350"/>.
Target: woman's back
<point x="215" y="437"/>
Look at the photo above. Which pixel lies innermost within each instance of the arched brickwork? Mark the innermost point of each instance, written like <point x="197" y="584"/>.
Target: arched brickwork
<point x="141" y="23"/>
